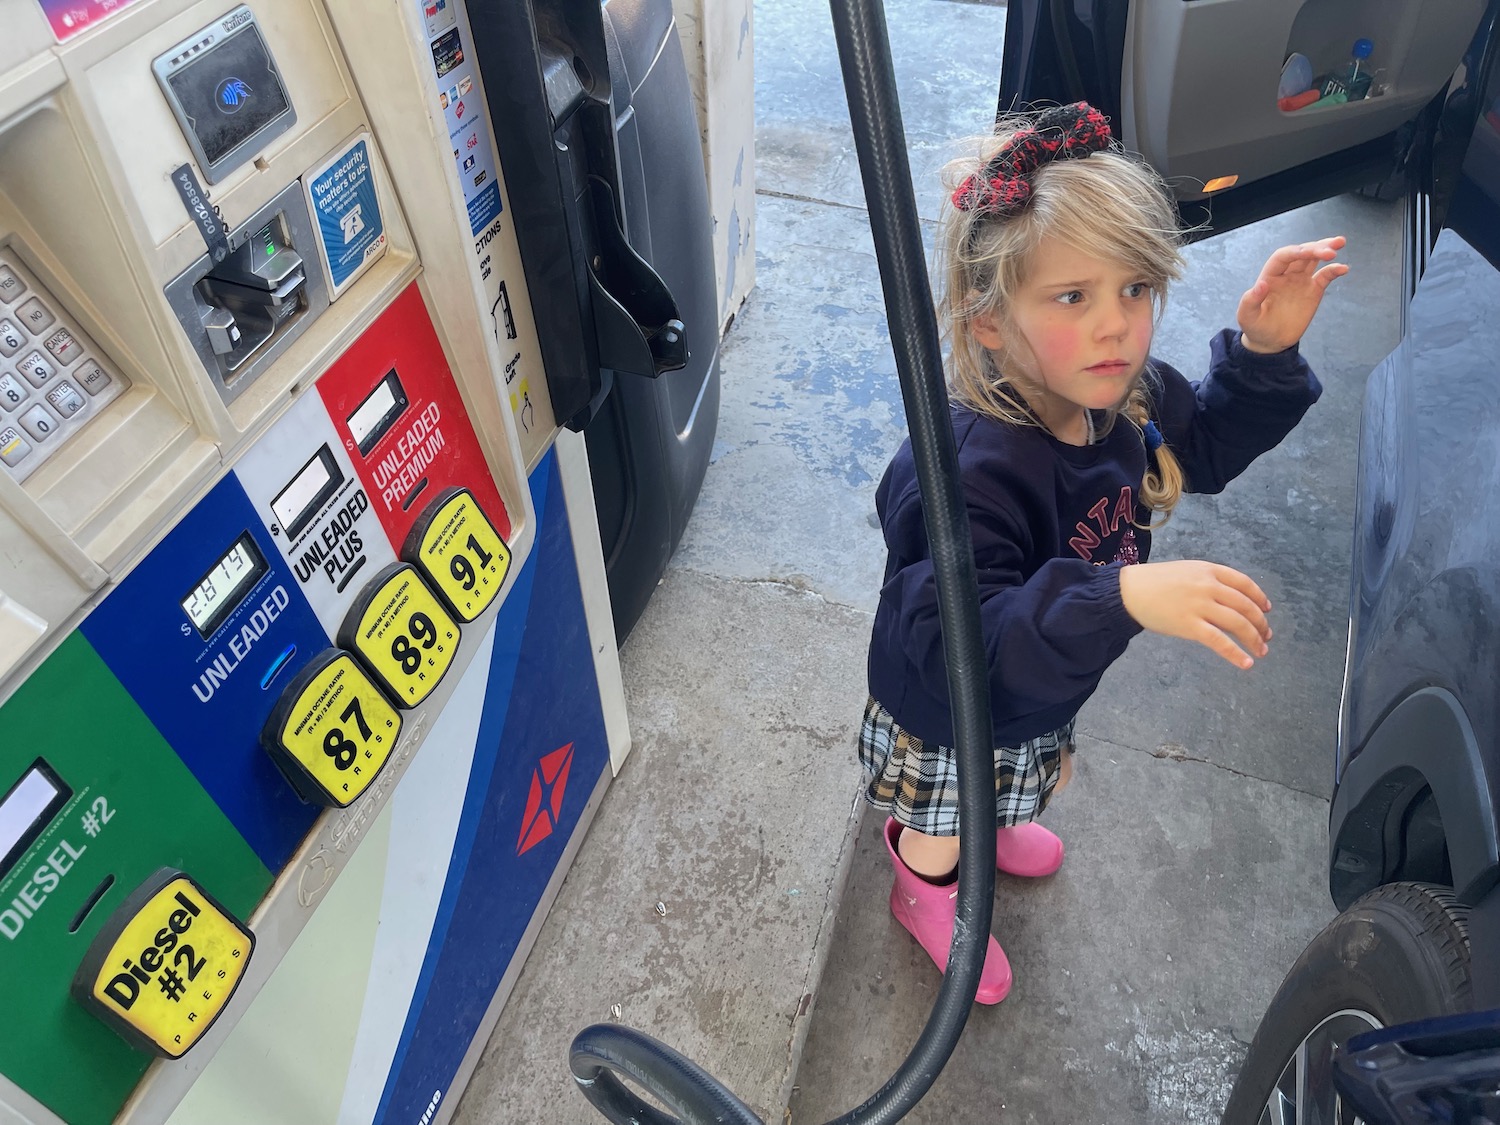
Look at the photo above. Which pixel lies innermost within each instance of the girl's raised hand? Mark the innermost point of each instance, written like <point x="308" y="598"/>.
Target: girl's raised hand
<point x="1276" y="310"/>
<point x="1215" y="605"/>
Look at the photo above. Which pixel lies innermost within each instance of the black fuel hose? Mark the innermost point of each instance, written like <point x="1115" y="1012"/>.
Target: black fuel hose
<point x="599" y="1051"/>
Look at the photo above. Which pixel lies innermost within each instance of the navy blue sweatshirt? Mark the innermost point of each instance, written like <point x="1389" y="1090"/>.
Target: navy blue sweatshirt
<point x="1052" y="524"/>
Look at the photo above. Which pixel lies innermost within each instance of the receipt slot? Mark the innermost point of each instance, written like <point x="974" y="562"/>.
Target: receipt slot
<point x="307" y="673"/>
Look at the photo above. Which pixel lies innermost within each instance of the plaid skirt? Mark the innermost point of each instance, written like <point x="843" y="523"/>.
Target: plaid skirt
<point x="916" y="783"/>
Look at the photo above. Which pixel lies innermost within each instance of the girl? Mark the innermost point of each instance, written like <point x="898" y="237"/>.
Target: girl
<point x="1057" y="251"/>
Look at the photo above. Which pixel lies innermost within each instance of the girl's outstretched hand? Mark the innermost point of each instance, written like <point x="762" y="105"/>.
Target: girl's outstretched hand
<point x="1276" y="310"/>
<point x="1214" y="605"/>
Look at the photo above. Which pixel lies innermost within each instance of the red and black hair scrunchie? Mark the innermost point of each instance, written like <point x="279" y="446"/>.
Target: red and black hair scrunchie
<point x="1003" y="186"/>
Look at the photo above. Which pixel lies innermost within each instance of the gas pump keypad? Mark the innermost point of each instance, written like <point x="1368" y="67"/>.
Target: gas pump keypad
<point x="333" y="730"/>
<point x="164" y="965"/>
<point x="52" y="380"/>
<point x="460" y="553"/>
<point x="402" y="633"/>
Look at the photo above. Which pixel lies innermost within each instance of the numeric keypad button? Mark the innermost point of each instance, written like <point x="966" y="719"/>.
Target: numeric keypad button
<point x="13" y="393"/>
<point x="38" y="423"/>
<point x="12" y="339"/>
<point x="36" y="369"/>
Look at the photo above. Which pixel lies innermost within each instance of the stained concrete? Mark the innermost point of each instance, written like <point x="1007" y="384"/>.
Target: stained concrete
<point x="1196" y="826"/>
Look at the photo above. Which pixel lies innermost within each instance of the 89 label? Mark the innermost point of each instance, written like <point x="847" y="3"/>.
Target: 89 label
<point x="333" y="730"/>
<point x="459" y="552"/>
<point x="403" y="633"/>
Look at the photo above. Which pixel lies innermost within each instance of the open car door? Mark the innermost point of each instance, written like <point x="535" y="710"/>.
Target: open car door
<point x="1196" y="88"/>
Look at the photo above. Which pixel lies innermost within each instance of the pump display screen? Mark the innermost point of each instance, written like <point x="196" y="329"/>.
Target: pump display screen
<point x="225" y="585"/>
<point x="230" y="92"/>
<point x="26" y="809"/>
<point x="374" y="416"/>
<point x="299" y="501"/>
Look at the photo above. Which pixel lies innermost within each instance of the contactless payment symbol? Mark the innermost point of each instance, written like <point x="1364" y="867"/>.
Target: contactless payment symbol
<point x="164" y="965"/>
<point x="332" y="731"/>
<point x="232" y="94"/>
<point x="402" y="633"/>
<point x="459" y="552"/>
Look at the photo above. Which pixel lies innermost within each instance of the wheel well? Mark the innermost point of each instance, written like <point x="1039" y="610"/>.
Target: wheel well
<point x="1394" y="835"/>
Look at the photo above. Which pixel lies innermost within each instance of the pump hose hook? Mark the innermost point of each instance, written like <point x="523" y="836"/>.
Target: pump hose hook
<point x="601" y="1051"/>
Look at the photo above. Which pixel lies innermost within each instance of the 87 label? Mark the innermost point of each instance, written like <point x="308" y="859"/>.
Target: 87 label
<point x="333" y="731"/>
<point x="459" y="552"/>
<point x="403" y="634"/>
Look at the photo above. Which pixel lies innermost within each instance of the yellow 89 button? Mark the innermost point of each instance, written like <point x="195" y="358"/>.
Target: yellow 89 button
<point x="459" y="552"/>
<point x="402" y="633"/>
<point x="332" y="731"/>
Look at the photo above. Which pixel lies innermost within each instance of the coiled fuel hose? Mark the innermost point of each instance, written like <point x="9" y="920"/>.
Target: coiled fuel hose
<point x="603" y="1052"/>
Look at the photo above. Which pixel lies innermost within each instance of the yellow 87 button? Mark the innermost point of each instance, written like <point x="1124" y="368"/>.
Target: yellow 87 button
<point x="460" y="552"/>
<point x="332" y="731"/>
<point x="402" y="633"/>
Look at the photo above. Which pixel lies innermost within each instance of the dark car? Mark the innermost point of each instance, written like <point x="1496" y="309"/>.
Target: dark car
<point x="1414" y="851"/>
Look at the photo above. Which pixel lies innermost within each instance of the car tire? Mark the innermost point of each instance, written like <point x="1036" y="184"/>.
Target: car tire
<point x="1400" y="953"/>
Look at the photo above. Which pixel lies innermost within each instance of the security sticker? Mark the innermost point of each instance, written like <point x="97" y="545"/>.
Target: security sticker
<point x="342" y="197"/>
<point x="459" y="551"/>
<point x="164" y="965"/>
<point x="332" y="731"/>
<point x="402" y="633"/>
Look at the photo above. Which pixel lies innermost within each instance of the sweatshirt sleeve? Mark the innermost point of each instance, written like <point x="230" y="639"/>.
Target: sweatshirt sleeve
<point x="1047" y="638"/>
<point x="1245" y="406"/>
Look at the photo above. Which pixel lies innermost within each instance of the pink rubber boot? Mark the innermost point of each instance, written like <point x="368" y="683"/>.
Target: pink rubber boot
<point x="1028" y="850"/>
<point x="927" y="912"/>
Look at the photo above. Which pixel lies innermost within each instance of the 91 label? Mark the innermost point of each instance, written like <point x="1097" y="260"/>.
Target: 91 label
<point x="459" y="552"/>
<point x="332" y="731"/>
<point x="402" y="633"/>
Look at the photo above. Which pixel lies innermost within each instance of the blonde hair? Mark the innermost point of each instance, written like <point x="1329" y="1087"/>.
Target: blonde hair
<point x="1107" y="206"/>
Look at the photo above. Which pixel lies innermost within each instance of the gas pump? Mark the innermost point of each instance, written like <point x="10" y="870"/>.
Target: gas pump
<point x="308" y="684"/>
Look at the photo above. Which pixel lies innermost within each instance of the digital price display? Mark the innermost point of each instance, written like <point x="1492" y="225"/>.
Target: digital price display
<point x="219" y="592"/>
<point x="164" y="965"/>
<point x="373" y="417"/>
<point x="332" y="731"/>
<point x="402" y="633"/>
<point x="297" y="503"/>
<point x="226" y="92"/>
<point x="459" y="552"/>
<point x="26" y="810"/>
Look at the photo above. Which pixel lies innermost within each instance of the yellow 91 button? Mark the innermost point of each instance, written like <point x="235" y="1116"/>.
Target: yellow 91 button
<point x="164" y="965"/>
<point x="460" y="552"/>
<point x="332" y="730"/>
<point x="402" y="633"/>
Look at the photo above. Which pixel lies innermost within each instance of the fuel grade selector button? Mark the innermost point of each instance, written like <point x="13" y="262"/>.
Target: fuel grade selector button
<point x="332" y="731"/>
<point x="164" y="965"/>
<point x="402" y="633"/>
<point x="460" y="552"/>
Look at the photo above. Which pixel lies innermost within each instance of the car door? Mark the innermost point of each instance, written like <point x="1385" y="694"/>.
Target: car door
<point x="1194" y="87"/>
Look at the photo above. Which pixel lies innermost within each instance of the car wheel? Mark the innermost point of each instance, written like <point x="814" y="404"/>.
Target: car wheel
<point x="1400" y="953"/>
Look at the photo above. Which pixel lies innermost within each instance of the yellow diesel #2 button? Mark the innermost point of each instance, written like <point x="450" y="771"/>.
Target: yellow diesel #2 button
<point x="332" y="731"/>
<point x="164" y="965"/>
<point x="460" y="552"/>
<point x="402" y="633"/>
